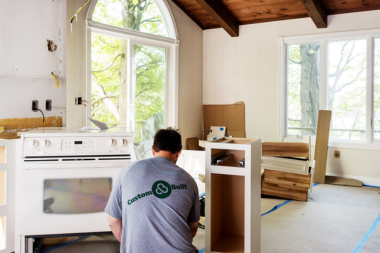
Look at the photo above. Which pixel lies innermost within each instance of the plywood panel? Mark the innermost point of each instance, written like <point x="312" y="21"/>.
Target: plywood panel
<point x="230" y="116"/>
<point x="321" y="145"/>
<point x="227" y="212"/>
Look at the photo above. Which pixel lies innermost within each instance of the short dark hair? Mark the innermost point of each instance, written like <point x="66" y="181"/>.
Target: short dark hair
<point x="167" y="139"/>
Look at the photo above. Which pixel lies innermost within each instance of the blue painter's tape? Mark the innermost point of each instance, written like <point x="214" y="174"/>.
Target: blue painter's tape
<point x="227" y="136"/>
<point x="64" y="244"/>
<point x="202" y="194"/>
<point x="276" y="207"/>
<point x="214" y="138"/>
<point x="202" y="250"/>
<point x="373" y="186"/>
<point x="222" y="128"/>
<point x="315" y="184"/>
<point x="359" y="247"/>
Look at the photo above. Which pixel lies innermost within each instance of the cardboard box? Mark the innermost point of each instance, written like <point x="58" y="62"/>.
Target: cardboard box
<point x="230" y="116"/>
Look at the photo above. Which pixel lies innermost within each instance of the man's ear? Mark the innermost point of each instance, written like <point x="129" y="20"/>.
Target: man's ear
<point x="179" y="153"/>
<point x="153" y="152"/>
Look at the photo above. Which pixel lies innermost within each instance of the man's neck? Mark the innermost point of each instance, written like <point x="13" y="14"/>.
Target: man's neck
<point x="166" y="154"/>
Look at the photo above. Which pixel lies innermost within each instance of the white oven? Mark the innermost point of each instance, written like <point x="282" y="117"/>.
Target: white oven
<point x="64" y="180"/>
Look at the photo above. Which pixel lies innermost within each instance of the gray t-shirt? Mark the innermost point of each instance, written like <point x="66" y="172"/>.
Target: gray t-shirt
<point x="155" y="199"/>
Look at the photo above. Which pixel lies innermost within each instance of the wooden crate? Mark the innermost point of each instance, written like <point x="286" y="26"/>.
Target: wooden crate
<point x="285" y="185"/>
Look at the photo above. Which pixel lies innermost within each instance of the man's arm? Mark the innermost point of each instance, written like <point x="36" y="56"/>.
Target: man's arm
<point x="115" y="226"/>
<point x="193" y="227"/>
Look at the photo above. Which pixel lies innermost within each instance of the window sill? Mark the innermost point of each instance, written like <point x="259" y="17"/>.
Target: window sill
<point x="340" y="143"/>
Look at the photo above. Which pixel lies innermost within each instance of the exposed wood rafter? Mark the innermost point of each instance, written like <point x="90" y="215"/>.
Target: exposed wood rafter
<point x="188" y="14"/>
<point x="222" y="15"/>
<point x="317" y="12"/>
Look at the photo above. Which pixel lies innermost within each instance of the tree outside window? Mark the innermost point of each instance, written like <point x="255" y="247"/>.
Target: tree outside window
<point x="109" y="68"/>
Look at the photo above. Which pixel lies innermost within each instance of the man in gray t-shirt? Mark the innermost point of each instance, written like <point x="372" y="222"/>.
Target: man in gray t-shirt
<point x="154" y="204"/>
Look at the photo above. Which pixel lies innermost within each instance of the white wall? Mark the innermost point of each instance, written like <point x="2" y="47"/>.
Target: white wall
<point x="25" y="63"/>
<point x="246" y="69"/>
<point x="190" y="76"/>
<point x="190" y="89"/>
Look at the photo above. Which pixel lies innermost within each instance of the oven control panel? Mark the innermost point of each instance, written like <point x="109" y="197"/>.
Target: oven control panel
<point x="77" y="145"/>
<point x="73" y="144"/>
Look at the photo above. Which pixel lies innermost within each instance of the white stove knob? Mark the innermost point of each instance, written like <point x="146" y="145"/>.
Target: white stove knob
<point x="33" y="144"/>
<point x="122" y="142"/>
<point x="111" y="143"/>
<point x="45" y="144"/>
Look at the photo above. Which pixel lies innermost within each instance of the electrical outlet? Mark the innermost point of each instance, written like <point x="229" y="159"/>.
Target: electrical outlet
<point x="336" y="154"/>
<point x="78" y="100"/>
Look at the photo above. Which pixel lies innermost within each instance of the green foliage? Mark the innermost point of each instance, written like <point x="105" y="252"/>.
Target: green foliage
<point x="149" y="63"/>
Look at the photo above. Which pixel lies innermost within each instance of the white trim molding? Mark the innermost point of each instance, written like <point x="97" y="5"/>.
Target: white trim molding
<point x="170" y="44"/>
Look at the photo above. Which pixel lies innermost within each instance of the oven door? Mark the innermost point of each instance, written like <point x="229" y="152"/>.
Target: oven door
<point x="64" y="196"/>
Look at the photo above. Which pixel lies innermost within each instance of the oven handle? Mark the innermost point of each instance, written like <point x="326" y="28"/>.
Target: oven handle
<point x="69" y="165"/>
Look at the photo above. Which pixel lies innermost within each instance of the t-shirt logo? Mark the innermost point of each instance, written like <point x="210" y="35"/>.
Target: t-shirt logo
<point x="161" y="189"/>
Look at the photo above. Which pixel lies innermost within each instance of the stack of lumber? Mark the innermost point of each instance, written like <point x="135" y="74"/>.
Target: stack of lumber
<point x="285" y="185"/>
<point x="287" y="170"/>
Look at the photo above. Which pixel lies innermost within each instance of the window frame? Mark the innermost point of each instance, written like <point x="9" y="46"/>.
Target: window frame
<point x="323" y="39"/>
<point x="170" y="44"/>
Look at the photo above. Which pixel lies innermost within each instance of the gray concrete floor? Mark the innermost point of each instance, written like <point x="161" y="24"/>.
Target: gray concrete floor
<point x="334" y="219"/>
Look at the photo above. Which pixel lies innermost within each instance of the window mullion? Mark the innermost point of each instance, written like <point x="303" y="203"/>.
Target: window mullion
<point x="323" y="76"/>
<point x="131" y="84"/>
<point x="369" y="90"/>
<point x="283" y="119"/>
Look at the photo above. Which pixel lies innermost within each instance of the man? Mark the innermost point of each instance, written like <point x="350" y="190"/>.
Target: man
<point x="154" y="204"/>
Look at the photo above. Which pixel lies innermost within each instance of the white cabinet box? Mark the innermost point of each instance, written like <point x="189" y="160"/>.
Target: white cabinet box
<point x="233" y="195"/>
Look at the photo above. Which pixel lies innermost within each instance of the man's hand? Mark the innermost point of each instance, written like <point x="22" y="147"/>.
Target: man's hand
<point x="116" y="227"/>
<point x="193" y="227"/>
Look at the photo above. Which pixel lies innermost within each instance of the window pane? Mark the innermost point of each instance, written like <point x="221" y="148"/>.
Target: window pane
<point x="109" y="79"/>
<point x="142" y="15"/>
<point x="303" y="89"/>
<point x="77" y="195"/>
<point x="149" y="91"/>
<point x="377" y="90"/>
<point x="346" y="89"/>
<point x="2" y="233"/>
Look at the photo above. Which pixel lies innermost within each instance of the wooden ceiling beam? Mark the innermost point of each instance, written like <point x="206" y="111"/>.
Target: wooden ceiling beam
<point x="196" y="21"/>
<point x="317" y="12"/>
<point x="222" y="15"/>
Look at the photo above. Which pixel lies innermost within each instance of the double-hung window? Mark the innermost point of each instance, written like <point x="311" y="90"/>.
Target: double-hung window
<point x="338" y="72"/>
<point x="132" y="50"/>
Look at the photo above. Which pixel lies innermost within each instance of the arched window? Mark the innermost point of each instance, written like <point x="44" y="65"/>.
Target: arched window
<point x="132" y="78"/>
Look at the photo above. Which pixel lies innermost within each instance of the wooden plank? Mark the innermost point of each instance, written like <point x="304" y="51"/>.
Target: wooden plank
<point x="285" y="149"/>
<point x="317" y="12"/>
<point x="196" y="21"/>
<point x="30" y="123"/>
<point x="285" y="185"/>
<point x="321" y="145"/>
<point x="222" y="15"/>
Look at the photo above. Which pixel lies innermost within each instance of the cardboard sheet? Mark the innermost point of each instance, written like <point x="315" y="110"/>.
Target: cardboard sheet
<point x="230" y="116"/>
